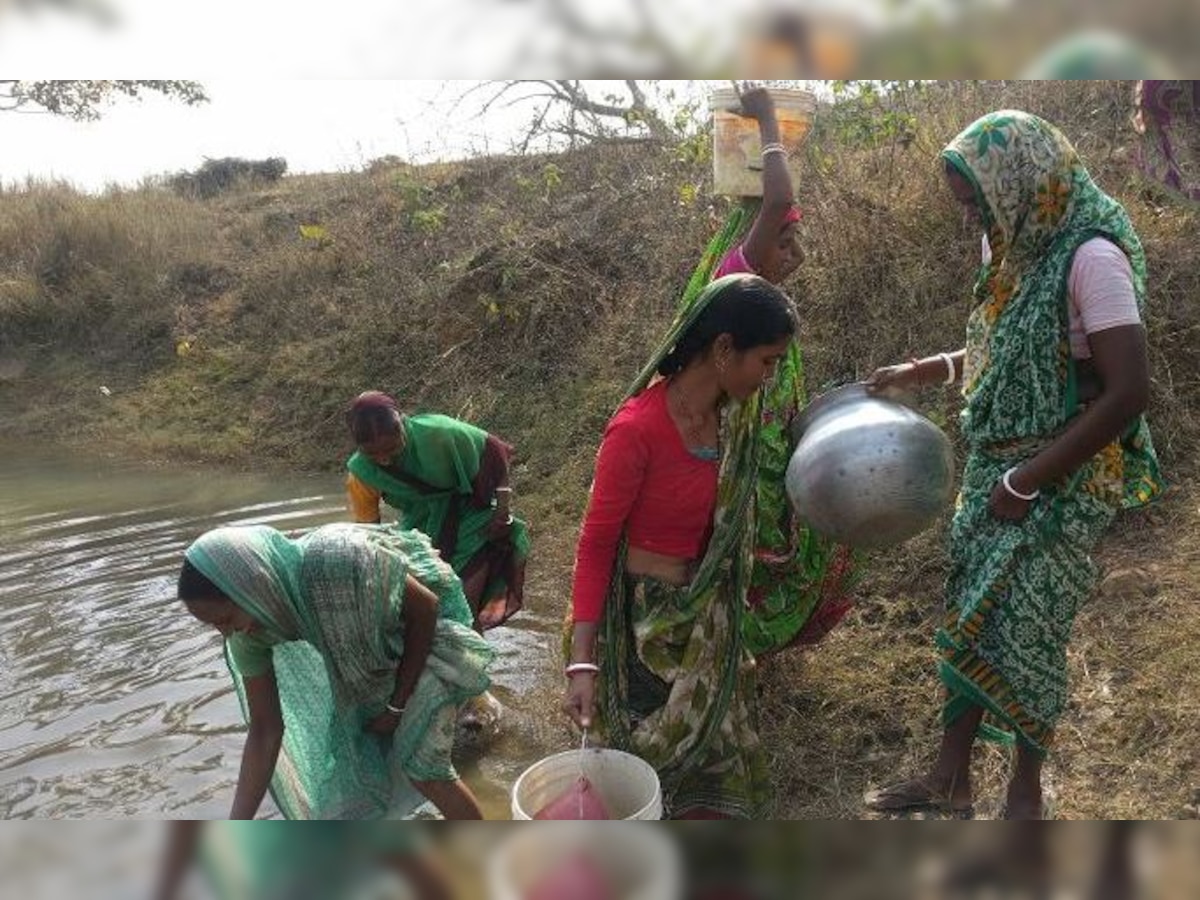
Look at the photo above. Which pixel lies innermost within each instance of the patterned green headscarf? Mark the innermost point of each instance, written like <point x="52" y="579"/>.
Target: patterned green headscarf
<point x="1038" y="204"/>
<point x="1014" y="588"/>
<point x="332" y="602"/>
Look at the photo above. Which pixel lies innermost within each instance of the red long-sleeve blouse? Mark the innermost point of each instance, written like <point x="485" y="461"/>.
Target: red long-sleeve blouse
<point x="649" y="486"/>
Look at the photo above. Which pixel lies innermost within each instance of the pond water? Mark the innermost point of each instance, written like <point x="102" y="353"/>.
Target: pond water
<point x="113" y="701"/>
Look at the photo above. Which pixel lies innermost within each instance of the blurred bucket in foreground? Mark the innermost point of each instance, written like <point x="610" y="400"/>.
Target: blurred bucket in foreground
<point x="628" y="785"/>
<point x="624" y="862"/>
<point x="737" y="151"/>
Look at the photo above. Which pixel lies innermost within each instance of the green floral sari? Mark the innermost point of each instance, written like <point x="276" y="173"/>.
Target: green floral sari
<point x="677" y="686"/>
<point x="331" y="603"/>
<point x="801" y="582"/>
<point x="1014" y="588"/>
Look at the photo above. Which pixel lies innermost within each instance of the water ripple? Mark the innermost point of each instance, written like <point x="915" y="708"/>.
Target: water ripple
<point x="113" y="702"/>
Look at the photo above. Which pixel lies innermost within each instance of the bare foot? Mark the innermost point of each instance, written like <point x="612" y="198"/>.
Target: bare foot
<point x="1023" y="806"/>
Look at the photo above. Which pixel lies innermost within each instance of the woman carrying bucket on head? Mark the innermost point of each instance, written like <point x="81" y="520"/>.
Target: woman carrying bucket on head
<point x="799" y="586"/>
<point x="771" y="247"/>
<point x="664" y="559"/>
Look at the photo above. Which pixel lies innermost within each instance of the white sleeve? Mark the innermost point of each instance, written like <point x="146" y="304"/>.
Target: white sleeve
<point x="1101" y="287"/>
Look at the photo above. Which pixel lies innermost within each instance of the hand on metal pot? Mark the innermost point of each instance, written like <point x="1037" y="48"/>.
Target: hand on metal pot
<point x="893" y="379"/>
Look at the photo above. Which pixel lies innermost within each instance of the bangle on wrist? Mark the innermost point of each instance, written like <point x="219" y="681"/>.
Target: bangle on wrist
<point x="1006" y="481"/>
<point x="394" y="710"/>
<point x="576" y="668"/>
<point x="951" y="370"/>
<point x="773" y="147"/>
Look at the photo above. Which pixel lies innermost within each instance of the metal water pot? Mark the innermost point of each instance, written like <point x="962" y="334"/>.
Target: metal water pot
<point x="868" y="471"/>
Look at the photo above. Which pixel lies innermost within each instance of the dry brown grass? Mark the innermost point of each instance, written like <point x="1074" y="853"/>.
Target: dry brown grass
<point x="523" y="293"/>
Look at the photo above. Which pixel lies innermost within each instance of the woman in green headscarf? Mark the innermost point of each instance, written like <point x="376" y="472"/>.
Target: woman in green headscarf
<point x="450" y="480"/>
<point x="665" y="557"/>
<point x="1056" y="379"/>
<point x="351" y="649"/>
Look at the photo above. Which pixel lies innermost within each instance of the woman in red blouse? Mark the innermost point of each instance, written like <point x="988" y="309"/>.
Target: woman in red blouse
<point x="663" y="561"/>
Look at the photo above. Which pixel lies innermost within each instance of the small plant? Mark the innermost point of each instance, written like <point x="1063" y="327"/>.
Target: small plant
<point x="422" y="211"/>
<point x="428" y="221"/>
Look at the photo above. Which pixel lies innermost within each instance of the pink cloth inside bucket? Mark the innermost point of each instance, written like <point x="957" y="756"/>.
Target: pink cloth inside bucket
<point x="578" y="877"/>
<point x="579" y="801"/>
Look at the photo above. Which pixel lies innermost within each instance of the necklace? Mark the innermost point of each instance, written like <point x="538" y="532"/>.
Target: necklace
<point x="694" y="426"/>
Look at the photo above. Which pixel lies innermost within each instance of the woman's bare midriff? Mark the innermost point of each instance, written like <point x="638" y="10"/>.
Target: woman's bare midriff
<point x="671" y="569"/>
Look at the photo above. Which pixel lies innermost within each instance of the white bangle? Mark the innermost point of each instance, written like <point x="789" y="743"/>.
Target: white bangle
<point x="576" y="668"/>
<point x="1012" y="490"/>
<point x="768" y="149"/>
<point x="951" y="370"/>
<point x="394" y="710"/>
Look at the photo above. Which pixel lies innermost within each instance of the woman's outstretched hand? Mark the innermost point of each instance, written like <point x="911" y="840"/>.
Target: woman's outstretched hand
<point x="580" y="701"/>
<point x="903" y="377"/>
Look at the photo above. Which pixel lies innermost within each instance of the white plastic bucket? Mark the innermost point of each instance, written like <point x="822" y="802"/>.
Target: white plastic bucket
<point x="737" y="150"/>
<point x="628" y="785"/>
<point x="639" y="861"/>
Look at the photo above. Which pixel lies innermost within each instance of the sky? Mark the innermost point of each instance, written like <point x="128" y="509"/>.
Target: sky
<point x="324" y="126"/>
<point x="316" y="125"/>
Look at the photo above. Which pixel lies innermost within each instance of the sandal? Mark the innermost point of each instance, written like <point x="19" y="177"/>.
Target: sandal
<point x="914" y="795"/>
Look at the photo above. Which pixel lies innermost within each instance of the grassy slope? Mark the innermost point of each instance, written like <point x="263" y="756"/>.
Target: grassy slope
<point x="523" y="294"/>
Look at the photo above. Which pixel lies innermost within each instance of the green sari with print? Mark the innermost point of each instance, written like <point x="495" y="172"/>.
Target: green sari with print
<point x="801" y="582"/>
<point x="1015" y="587"/>
<point x="679" y="671"/>
<point x="677" y="682"/>
<point x="431" y="484"/>
<point x="331" y="602"/>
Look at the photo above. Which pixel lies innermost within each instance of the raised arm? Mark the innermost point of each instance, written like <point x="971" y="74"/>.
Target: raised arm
<point x="761" y="246"/>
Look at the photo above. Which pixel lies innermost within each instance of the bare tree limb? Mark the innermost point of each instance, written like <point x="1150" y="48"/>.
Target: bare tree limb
<point x="566" y="108"/>
<point x="83" y="100"/>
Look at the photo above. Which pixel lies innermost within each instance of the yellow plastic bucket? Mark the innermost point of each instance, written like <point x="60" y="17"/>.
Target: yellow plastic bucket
<point x="737" y="151"/>
<point x="628" y="784"/>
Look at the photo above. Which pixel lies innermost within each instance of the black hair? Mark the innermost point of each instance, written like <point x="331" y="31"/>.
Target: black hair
<point x="751" y="310"/>
<point x="194" y="586"/>
<point x="371" y="422"/>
